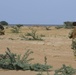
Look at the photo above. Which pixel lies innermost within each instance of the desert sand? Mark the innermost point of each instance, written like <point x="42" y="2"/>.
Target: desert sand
<point x="56" y="46"/>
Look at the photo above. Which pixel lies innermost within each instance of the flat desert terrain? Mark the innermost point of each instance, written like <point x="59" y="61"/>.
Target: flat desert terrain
<point x="56" y="46"/>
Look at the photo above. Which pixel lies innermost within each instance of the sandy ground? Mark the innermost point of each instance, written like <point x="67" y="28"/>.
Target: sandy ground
<point x="56" y="47"/>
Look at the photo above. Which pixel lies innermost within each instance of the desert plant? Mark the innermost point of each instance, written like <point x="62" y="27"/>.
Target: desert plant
<point x="33" y="35"/>
<point x="44" y="67"/>
<point x="65" y="70"/>
<point x="47" y="27"/>
<point x="2" y="32"/>
<point x="13" y="61"/>
<point x="40" y="67"/>
<point x="45" y="60"/>
<point x="4" y="23"/>
<point x="19" y="25"/>
<point x="68" y="25"/>
<point x="15" y="29"/>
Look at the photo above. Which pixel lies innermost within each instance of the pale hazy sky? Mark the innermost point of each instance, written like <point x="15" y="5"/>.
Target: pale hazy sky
<point x="37" y="11"/>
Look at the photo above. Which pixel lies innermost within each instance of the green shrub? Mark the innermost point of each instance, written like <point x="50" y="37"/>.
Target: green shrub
<point x="4" y="23"/>
<point x="19" y="25"/>
<point x="13" y="61"/>
<point x="33" y="36"/>
<point x="68" y="25"/>
<point x="65" y="70"/>
<point x="15" y="29"/>
<point x="40" y="67"/>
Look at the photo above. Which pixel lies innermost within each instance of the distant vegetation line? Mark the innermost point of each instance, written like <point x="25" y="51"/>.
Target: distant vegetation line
<point x="36" y="24"/>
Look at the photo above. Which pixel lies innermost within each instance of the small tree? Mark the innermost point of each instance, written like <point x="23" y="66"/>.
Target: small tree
<point x="68" y="24"/>
<point x="4" y="23"/>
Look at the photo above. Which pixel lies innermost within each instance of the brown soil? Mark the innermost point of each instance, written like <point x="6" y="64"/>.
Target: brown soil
<point x="56" y="46"/>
